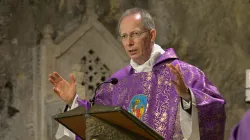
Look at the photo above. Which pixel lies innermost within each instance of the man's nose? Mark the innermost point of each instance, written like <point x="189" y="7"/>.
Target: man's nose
<point x="129" y="41"/>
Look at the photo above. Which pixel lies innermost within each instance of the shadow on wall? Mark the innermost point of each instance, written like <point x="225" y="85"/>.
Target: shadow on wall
<point x="7" y="111"/>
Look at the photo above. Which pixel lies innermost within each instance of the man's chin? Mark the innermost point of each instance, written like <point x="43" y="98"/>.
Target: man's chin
<point x="134" y="58"/>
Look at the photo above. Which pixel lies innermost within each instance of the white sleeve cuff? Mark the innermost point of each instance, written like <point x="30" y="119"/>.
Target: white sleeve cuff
<point x="75" y="103"/>
<point x="190" y="123"/>
<point x="187" y="105"/>
<point x="63" y="131"/>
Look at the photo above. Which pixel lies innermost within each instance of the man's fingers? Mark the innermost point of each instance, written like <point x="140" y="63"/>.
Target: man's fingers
<point x="172" y="66"/>
<point x="175" y="83"/>
<point x="172" y="81"/>
<point x="176" y="75"/>
<point x="178" y="67"/>
<point x="52" y="77"/>
<point x="59" y="77"/>
<point x="72" y="78"/>
<point x="175" y="70"/>
<point x="52" y="82"/>
<point x="179" y="70"/>
<point x="181" y="76"/>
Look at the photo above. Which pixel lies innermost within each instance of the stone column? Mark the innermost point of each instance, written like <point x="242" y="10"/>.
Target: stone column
<point x="46" y="66"/>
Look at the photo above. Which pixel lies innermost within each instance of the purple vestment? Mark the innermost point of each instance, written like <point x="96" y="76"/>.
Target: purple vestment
<point x="151" y="97"/>
<point x="241" y="131"/>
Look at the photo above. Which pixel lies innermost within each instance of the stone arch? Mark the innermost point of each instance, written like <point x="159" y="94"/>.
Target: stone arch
<point x="67" y="56"/>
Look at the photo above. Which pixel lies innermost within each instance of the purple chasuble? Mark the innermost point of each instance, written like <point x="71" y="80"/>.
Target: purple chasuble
<point x="151" y="97"/>
<point x="241" y="131"/>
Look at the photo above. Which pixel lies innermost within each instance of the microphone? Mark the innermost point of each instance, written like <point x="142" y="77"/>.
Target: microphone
<point x="113" y="81"/>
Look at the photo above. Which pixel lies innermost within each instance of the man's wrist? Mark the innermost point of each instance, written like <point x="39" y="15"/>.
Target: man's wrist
<point x="188" y="101"/>
<point x="70" y="102"/>
<point x="188" y="96"/>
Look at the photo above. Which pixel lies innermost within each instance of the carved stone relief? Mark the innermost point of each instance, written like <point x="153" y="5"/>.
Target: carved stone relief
<point x="95" y="72"/>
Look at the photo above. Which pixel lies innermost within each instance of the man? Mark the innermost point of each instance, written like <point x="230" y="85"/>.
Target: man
<point x="171" y="96"/>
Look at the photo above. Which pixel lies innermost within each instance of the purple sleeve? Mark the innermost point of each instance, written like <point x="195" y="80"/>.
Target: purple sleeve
<point x="210" y="104"/>
<point x="84" y="103"/>
<point x="103" y="96"/>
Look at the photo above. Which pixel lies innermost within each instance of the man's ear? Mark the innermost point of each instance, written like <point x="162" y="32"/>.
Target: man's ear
<point x="152" y="35"/>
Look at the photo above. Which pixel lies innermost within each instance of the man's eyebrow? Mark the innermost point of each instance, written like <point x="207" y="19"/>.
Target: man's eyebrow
<point x="130" y="32"/>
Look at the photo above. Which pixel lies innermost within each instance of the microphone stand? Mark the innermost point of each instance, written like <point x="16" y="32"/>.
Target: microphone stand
<point x="112" y="81"/>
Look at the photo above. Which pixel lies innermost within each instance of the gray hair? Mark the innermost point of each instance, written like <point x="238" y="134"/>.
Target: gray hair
<point x="147" y="20"/>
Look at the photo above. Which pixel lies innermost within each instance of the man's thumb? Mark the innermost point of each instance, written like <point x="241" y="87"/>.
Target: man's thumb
<point x="72" y="78"/>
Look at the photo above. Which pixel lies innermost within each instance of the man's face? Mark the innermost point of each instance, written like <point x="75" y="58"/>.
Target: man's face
<point x="136" y="41"/>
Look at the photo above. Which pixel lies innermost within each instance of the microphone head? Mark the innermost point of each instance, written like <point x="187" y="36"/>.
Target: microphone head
<point x="114" y="81"/>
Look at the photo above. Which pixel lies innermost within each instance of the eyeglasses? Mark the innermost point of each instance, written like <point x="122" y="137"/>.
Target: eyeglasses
<point x="132" y="35"/>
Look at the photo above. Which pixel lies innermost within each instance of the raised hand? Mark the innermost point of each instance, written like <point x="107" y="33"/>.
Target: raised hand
<point x="179" y="84"/>
<point x="65" y="90"/>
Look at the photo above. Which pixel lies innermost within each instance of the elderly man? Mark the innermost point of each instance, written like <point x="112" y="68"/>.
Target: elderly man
<point x="173" y="97"/>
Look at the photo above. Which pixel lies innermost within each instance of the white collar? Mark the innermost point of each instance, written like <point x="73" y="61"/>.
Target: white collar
<point x="157" y="51"/>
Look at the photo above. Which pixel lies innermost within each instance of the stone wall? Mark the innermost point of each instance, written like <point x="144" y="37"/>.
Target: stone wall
<point x="212" y="35"/>
<point x="21" y="27"/>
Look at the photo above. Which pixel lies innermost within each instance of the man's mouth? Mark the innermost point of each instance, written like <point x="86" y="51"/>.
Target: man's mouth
<point x="132" y="51"/>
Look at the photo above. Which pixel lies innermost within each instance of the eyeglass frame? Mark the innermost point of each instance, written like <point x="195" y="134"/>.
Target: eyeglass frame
<point x="132" y="35"/>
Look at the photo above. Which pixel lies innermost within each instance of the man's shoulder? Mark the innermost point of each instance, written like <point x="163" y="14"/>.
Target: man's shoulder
<point x="122" y="72"/>
<point x="183" y="64"/>
<point x="167" y="56"/>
